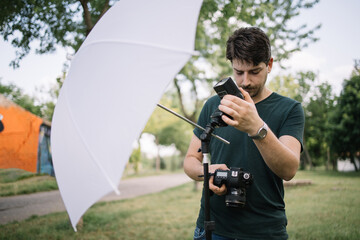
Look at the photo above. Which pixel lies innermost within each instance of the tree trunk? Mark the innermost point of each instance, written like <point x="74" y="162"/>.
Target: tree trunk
<point x="352" y="159"/>
<point x="87" y="16"/>
<point x="307" y="158"/>
<point x="327" y="158"/>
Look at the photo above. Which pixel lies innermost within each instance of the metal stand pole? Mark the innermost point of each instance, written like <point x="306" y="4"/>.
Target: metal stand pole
<point x="205" y="148"/>
<point x="208" y="224"/>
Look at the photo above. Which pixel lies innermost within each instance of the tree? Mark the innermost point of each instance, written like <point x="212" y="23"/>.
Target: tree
<point x="67" y="23"/>
<point x="298" y="87"/>
<point x="49" y="22"/>
<point x="159" y="120"/>
<point x="135" y="158"/>
<point x="178" y="133"/>
<point x="168" y="129"/>
<point x="17" y="95"/>
<point x="356" y="70"/>
<point x="39" y="107"/>
<point x="318" y="127"/>
<point x="218" y="19"/>
<point x="346" y="121"/>
<point x="48" y="106"/>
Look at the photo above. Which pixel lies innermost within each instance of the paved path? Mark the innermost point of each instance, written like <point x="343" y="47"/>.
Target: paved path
<point x="24" y="206"/>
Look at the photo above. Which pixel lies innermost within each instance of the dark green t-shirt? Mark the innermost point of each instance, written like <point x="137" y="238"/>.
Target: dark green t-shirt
<point x="263" y="216"/>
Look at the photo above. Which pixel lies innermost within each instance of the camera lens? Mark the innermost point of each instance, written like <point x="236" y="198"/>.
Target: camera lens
<point x="246" y="176"/>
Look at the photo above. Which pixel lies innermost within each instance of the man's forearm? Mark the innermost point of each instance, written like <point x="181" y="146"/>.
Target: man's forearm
<point x="193" y="168"/>
<point x="281" y="155"/>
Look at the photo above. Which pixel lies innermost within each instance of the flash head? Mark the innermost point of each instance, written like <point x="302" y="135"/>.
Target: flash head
<point x="227" y="86"/>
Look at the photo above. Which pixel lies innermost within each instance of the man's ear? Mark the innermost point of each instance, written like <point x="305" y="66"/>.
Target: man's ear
<point x="270" y="64"/>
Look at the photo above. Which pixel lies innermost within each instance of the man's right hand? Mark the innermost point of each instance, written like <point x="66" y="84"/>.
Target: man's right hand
<point x="217" y="190"/>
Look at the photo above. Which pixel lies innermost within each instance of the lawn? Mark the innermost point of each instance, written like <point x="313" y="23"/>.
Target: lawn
<point x="16" y="181"/>
<point x="326" y="209"/>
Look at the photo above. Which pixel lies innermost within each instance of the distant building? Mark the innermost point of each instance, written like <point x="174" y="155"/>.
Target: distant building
<point x="25" y="139"/>
<point x="347" y="165"/>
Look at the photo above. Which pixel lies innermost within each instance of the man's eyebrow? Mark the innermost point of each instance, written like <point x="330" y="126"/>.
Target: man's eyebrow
<point x="253" y="69"/>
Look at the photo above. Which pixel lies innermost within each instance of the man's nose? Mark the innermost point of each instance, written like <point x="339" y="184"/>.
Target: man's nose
<point x="246" y="80"/>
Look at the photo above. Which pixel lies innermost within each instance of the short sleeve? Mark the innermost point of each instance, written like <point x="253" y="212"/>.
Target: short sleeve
<point x="294" y="124"/>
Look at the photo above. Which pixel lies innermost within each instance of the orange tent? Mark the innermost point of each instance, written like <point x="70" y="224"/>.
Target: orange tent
<point x="19" y="140"/>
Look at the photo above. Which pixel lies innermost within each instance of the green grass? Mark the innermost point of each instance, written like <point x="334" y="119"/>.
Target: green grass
<point x="17" y="181"/>
<point x="170" y="214"/>
<point x="14" y="174"/>
<point x="326" y="209"/>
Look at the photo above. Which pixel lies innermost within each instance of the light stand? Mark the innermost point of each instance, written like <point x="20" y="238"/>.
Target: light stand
<point x="222" y="88"/>
<point x="205" y="138"/>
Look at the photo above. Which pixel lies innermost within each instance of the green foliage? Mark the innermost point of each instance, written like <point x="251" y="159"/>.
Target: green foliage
<point x="48" y="106"/>
<point x="318" y="102"/>
<point x="58" y="22"/>
<point x="17" y="95"/>
<point x="285" y="85"/>
<point x="218" y="19"/>
<point x="48" y="22"/>
<point x="135" y="158"/>
<point x="296" y="87"/>
<point x="41" y="108"/>
<point x="179" y="134"/>
<point x="167" y="128"/>
<point x="346" y="120"/>
<point x="317" y="124"/>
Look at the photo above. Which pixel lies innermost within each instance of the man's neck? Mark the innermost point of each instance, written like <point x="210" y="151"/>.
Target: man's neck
<point x="263" y="95"/>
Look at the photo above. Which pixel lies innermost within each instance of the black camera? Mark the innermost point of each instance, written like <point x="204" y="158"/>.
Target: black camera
<point x="236" y="182"/>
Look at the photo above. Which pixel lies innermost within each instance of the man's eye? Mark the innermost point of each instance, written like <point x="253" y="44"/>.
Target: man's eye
<point x="255" y="72"/>
<point x="239" y="73"/>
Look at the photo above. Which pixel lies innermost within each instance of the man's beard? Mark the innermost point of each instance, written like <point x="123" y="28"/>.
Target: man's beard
<point x="253" y="91"/>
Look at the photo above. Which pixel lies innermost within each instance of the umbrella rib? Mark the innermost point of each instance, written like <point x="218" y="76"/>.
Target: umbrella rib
<point x="114" y="187"/>
<point x="132" y="42"/>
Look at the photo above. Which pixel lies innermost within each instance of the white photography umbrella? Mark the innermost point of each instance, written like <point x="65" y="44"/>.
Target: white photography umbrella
<point x="115" y="80"/>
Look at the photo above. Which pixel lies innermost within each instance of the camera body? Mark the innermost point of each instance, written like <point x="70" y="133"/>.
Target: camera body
<point x="236" y="182"/>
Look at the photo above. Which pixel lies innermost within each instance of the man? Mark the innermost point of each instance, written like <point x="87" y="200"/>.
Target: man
<point x="265" y="133"/>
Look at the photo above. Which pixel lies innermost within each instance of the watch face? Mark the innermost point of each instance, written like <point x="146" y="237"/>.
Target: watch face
<point x="262" y="133"/>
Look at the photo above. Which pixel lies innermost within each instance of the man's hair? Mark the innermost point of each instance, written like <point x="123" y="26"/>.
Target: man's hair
<point x="250" y="45"/>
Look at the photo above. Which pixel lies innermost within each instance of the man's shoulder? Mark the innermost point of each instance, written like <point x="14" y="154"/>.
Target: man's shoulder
<point x="280" y="100"/>
<point x="212" y="102"/>
<point x="279" y="107"/>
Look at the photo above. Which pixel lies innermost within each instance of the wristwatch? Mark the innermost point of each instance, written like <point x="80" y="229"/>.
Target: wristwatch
<point x="261" y="134"/>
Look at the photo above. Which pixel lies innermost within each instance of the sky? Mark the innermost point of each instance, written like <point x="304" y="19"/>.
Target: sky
<point x="332" y="57"/>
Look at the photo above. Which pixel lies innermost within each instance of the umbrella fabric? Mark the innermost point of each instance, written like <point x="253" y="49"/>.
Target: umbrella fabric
<point x="115" y="80"/>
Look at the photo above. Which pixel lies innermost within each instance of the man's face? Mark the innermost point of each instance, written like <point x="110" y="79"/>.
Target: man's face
<point x="251" y="78"/>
